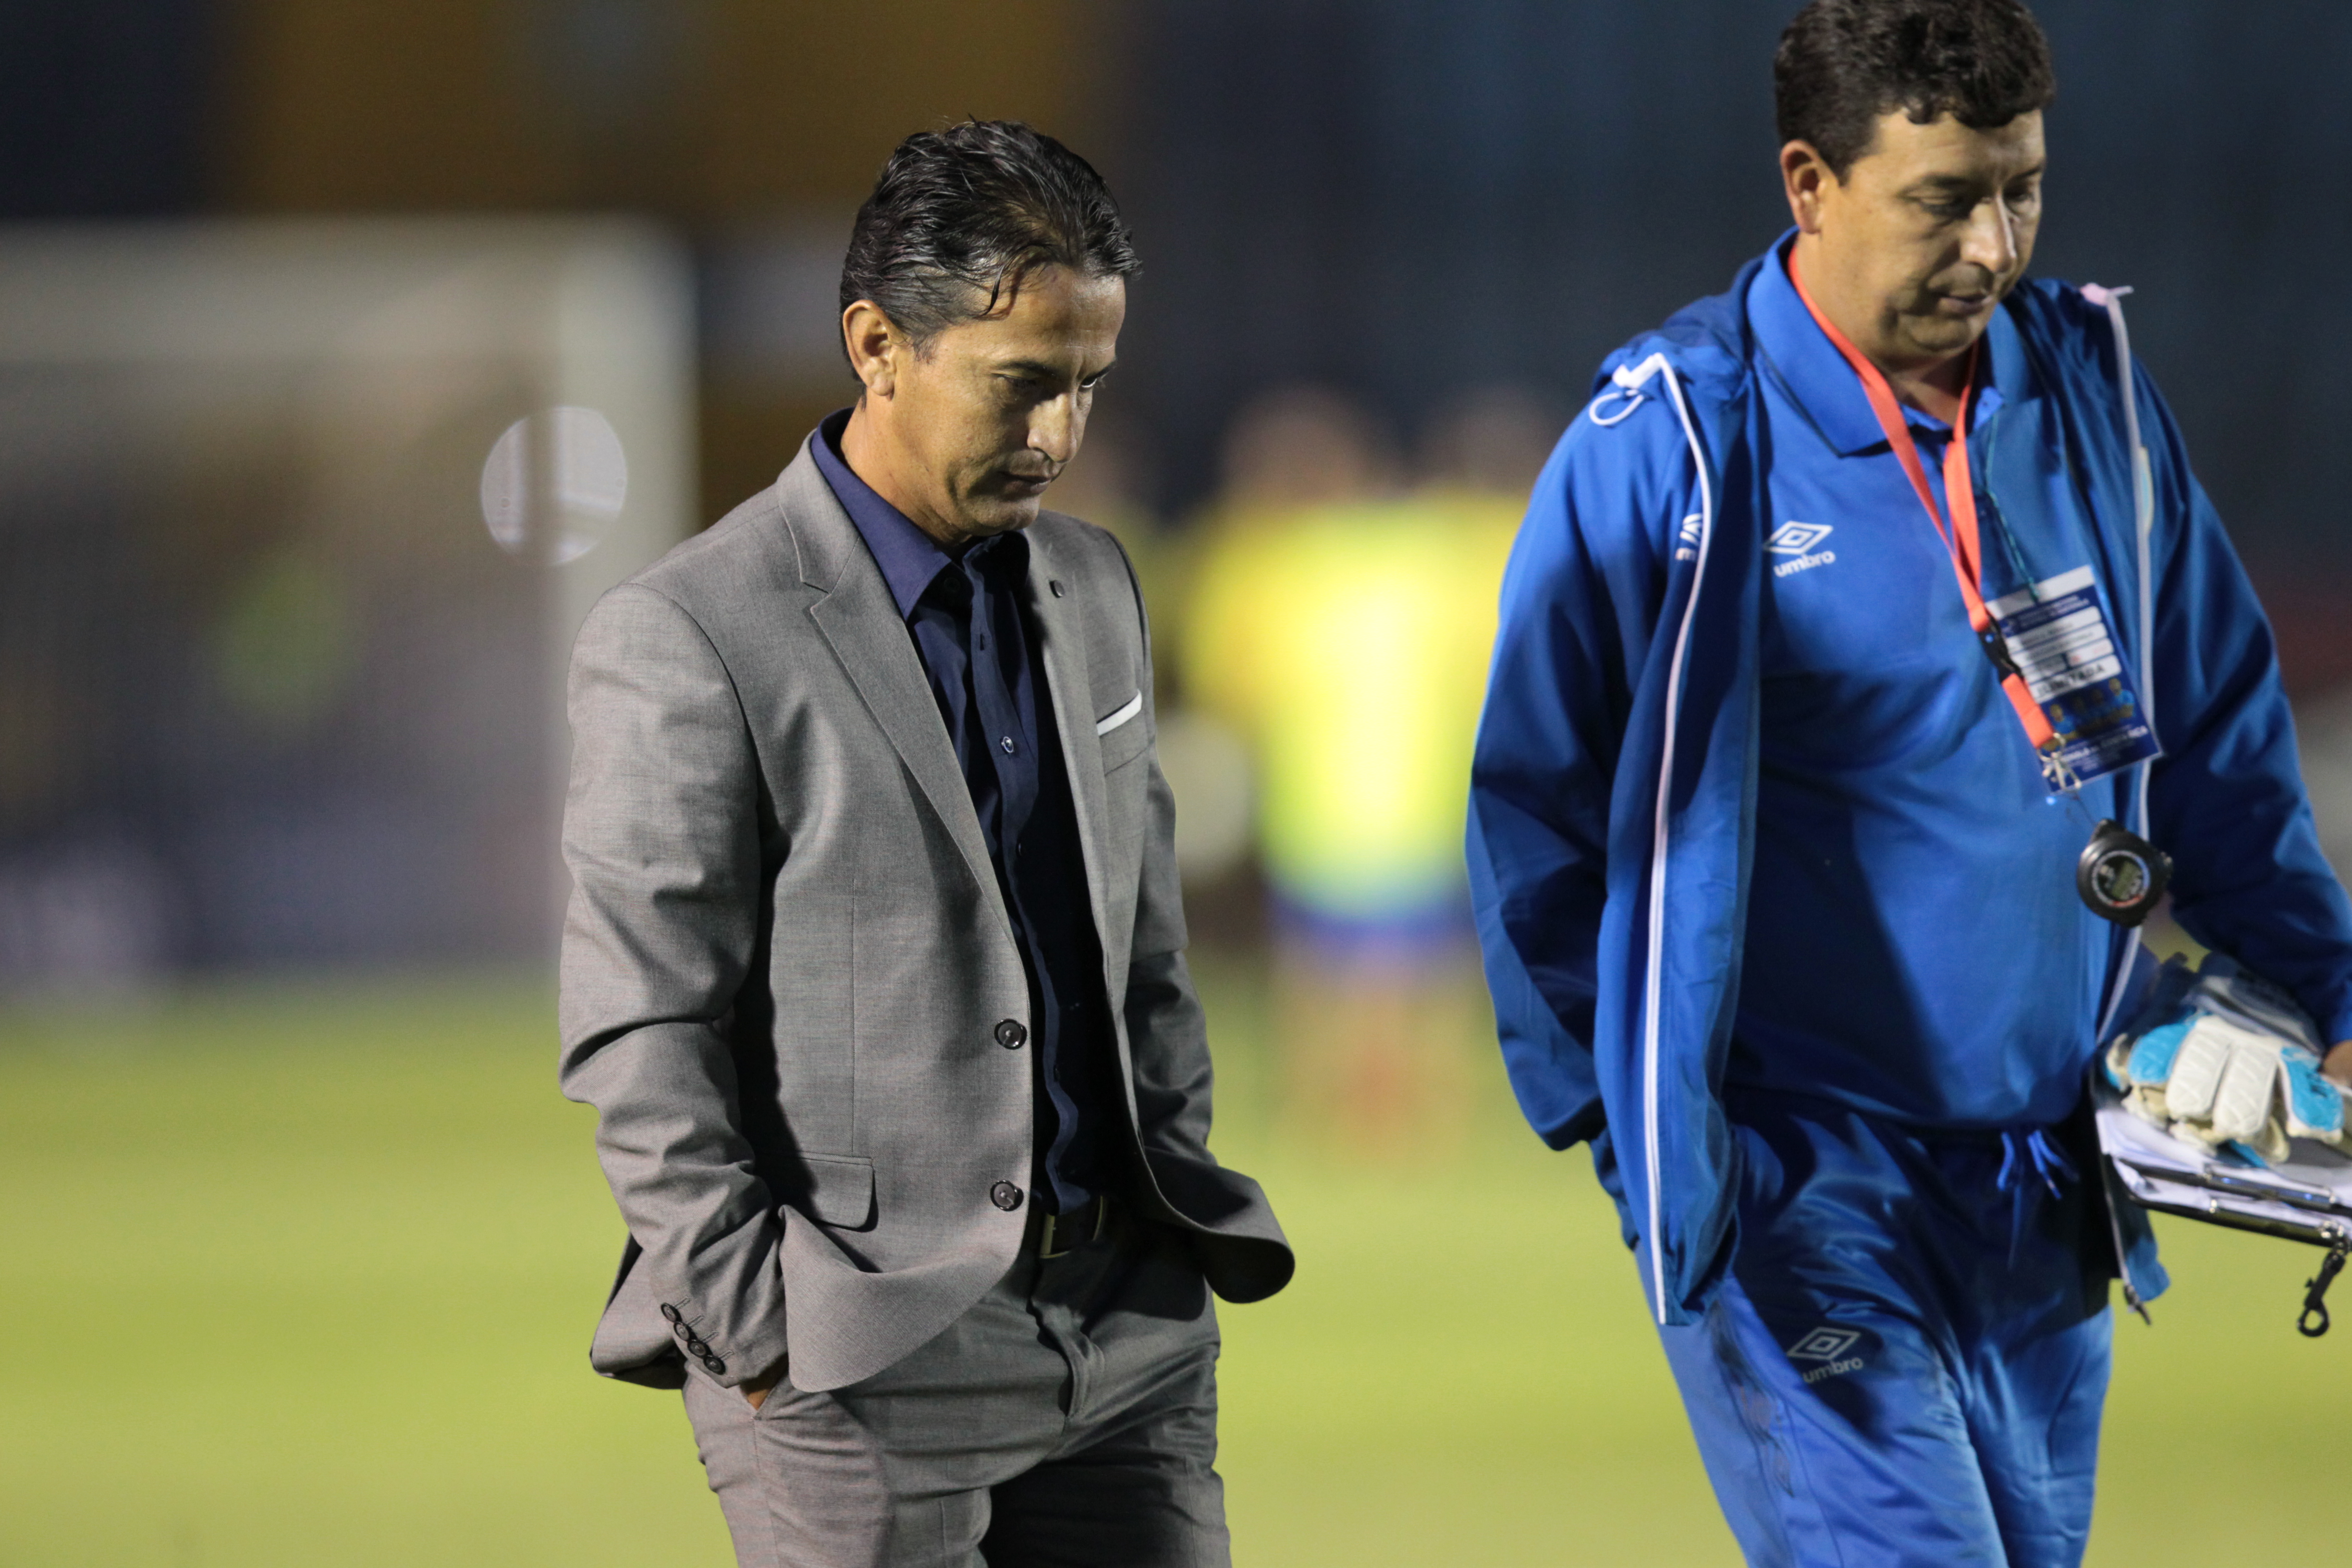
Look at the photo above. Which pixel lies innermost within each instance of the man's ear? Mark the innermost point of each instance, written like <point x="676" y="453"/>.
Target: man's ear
<point x="877" y="347"/>
<point x="1805" y="176"/>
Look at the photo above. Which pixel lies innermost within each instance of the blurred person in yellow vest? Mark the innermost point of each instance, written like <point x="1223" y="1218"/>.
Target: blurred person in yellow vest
<point x="1340" y="622"/>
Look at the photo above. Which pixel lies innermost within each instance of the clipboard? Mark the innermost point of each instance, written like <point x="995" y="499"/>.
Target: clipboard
<point x="2308" y="1198"/>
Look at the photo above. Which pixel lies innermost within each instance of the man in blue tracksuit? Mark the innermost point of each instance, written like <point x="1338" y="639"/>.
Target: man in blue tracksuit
<point x="1780" y="794"/>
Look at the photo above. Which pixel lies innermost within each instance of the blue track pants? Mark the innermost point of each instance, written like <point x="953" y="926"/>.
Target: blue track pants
<point x="1908" y="1363"/>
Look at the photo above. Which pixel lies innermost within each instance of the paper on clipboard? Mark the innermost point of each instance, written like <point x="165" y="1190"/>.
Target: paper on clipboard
<point x="2309" y="1198"/>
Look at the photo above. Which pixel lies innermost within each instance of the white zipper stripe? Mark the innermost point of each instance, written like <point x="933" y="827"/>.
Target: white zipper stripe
<point x="1632" y="381"/>
<point x="2143" y="520"/>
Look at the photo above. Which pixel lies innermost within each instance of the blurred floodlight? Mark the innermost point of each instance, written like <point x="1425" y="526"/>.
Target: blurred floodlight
<point x="553" y="483"/>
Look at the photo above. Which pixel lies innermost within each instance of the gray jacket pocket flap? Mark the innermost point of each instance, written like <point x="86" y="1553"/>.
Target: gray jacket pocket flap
<point x="840" y="1190"/>
<point x="1124" y="744"/>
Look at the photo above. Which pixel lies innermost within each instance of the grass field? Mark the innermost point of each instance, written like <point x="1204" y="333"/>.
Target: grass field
<point x="304" y="1275"/>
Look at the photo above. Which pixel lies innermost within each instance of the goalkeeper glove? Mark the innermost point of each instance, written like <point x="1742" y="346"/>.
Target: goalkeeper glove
<point x="2233" y="1064"/>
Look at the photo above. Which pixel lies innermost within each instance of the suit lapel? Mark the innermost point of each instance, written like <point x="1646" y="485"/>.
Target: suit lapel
<point x="1061" y="627"/>
<point x="1061" y="630"/>
<point x="857" y="616"/>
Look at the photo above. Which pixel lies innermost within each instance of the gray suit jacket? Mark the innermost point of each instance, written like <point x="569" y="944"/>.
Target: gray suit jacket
<point x="786" y="955"/>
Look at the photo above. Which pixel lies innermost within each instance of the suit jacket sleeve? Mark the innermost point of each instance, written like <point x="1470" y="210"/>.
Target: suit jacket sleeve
<point x="1166" y="1028"/>
<point x="661" y="835"/>
<point x="1167" y="1041"/>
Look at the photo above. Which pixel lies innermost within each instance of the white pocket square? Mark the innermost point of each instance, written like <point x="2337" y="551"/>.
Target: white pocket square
<point x="1126" y="711"/>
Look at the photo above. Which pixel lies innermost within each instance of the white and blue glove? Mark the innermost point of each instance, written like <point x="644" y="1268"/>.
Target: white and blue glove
<point x="2232" y="1064"/>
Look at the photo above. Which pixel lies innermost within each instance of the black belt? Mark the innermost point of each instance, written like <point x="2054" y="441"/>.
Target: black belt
<point x="1059" y="1234"/>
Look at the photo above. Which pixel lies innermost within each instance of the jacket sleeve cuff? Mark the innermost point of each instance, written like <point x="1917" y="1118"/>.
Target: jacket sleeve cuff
<point x="731" y="1363"/>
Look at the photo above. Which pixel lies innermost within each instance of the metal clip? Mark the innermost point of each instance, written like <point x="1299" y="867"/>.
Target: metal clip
<point x="1996" y="647"/>
<point x="2055" y="771"/>
<point x="2313" y="1322"/>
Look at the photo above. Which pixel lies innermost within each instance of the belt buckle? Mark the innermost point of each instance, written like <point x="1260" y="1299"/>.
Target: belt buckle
<point x="1051" y="1244"/>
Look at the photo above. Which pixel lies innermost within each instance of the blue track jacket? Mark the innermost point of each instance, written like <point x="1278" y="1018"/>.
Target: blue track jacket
<point x="1613" y="792"/>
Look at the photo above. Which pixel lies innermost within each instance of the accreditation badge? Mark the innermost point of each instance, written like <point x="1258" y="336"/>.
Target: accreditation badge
<point x="2062" y="638"/>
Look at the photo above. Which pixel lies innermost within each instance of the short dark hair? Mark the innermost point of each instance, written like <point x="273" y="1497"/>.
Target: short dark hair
<point x="1844" y="63"/>
<point x="963" y="214"/>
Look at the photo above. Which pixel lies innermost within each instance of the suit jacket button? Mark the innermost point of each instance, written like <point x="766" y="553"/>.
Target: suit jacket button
<point x="1005" y="1195"/>
<point x="670" y="1313"/>
<point x="1011" y="1035"/>
<point x="714" y="1366"/>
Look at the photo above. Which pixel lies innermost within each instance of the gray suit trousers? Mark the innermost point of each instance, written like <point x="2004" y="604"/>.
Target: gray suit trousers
<point x="1066" y="1420"/>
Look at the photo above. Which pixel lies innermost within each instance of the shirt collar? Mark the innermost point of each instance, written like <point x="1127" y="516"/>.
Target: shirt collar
<point x="1001" y="558"/>
<point x="1817" y="377"/>
<point x="909" y="557"/>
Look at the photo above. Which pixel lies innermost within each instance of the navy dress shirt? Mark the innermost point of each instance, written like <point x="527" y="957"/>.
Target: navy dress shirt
<point x="967" y="614"/>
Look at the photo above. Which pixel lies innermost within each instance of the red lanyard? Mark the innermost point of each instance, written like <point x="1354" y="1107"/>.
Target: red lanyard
<point x="1960" y="538"/>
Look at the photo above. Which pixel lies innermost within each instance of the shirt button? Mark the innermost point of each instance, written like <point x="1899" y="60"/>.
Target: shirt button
<point x="1007" y="744"/>
<point x="1005" y="1195"/>
<point x="1011" y="1035"/>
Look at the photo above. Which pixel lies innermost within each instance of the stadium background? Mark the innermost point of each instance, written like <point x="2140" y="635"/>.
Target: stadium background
<point x="301" y="1248"/>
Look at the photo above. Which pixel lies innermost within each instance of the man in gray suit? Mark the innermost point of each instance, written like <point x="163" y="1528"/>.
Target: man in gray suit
<point x="874" y="969"/>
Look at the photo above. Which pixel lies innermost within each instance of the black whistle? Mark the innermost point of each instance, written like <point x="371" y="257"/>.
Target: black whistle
<point x="2121" y="874"/>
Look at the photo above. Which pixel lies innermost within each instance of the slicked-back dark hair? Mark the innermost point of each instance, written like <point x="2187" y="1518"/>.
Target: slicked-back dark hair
<point x="1844" y="63"/>
<point x="961" y="216"/>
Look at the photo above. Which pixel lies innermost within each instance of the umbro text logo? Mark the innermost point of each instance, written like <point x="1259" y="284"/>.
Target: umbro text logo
<point x="1797" y="539"/>
<point x="1827" y="1346"/>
